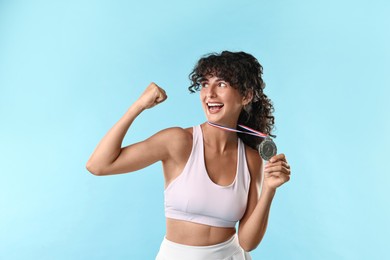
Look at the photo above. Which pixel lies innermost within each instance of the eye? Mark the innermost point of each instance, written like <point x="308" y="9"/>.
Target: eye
<point x="222" y="85"/>
<point x="204" y="84"/>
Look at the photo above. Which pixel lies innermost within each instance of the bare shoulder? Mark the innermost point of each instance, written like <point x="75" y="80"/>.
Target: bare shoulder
<point x="255" y="162"/>
<point x="176" y="134"/>
<point x="176" y="139"/>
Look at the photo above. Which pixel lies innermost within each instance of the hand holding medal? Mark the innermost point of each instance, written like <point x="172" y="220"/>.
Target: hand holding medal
<point x="277" y="171"/>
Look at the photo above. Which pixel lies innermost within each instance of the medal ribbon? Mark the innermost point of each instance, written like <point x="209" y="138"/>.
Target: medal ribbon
<point x="248" y="131"/>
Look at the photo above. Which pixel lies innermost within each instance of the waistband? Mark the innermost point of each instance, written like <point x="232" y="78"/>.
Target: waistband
<point x="172" y="250"/>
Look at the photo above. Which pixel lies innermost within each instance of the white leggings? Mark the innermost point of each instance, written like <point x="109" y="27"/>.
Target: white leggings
<point x="228" y="250"/>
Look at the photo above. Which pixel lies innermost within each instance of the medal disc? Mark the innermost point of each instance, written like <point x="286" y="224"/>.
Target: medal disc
<point x="267" y="149"/>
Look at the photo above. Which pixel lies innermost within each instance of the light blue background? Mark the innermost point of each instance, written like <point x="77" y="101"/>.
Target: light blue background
<point x="69" y="70"/>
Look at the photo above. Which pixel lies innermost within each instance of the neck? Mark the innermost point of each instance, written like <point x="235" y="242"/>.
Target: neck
<point x="220" y="139"/>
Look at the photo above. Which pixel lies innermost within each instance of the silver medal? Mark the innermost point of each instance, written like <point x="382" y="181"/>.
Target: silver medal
<point x="267" y="148"/>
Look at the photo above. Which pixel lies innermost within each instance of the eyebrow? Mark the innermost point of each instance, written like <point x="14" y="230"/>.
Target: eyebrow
<point x="205" y="79"/>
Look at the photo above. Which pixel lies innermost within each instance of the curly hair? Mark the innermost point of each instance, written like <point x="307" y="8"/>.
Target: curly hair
<point x="244" y="73"/>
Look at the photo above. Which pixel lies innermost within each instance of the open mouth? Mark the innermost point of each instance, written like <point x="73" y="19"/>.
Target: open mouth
<point x="214" y="107"/>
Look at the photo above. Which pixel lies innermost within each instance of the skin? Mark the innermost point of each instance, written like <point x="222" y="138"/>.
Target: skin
<point x="220" y="149"/>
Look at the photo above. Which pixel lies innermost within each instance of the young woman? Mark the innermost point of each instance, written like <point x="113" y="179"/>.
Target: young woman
<point x="214" y="177"/>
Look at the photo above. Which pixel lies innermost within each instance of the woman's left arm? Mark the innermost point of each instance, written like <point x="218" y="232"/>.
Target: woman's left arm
<point x="254" y="222"/>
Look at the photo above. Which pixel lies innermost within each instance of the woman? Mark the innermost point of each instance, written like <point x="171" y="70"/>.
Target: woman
<point x="212" y="176"/>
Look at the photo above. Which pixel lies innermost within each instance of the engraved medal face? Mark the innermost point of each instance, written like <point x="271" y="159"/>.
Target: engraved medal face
<point x="267" y="149"/>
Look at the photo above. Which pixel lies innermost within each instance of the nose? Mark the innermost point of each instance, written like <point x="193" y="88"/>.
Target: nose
<point x="211" y="93"/>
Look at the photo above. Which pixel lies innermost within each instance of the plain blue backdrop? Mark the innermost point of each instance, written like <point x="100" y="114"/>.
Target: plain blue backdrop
<point x="70" y="69"/>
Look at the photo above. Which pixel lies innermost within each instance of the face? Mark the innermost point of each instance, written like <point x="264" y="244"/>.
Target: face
<point x="221" y="102"/>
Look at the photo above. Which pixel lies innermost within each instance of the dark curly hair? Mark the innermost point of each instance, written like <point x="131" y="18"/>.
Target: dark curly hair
<point x="243" y="72"/>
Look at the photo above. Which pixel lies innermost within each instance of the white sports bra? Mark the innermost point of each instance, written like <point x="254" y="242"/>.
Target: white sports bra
<point x="194" y="197"/>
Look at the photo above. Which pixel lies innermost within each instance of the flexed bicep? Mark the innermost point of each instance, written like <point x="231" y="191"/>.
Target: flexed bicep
<point x="139" y="155"/>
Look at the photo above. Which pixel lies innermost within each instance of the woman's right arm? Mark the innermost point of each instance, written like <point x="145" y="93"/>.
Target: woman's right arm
<point x="110" y="158"/>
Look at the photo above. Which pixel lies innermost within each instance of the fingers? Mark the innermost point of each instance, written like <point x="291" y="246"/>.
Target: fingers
<point x="281" y="167"/>
<point x="278" y="157"/>
<point x="278" y="167"/>
<point x="152" y="96"/>
<point x="161" y="95"/>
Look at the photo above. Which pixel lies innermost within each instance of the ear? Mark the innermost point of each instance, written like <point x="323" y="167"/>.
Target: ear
<point x="247" y="98"/>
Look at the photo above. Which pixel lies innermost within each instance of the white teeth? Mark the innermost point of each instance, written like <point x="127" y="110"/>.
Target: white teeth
<point x="214" y="104"/>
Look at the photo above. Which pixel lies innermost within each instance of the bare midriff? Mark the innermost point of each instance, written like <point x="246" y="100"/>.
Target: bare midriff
<point x="194" y="234"/>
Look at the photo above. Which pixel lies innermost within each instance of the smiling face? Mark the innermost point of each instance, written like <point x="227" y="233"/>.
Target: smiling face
<point x="221" y="102"/>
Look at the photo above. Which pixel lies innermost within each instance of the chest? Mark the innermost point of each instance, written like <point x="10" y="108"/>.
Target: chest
<point x="221" y="168"/>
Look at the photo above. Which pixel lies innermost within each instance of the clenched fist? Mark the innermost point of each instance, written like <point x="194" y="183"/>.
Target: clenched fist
<point x="152" y="96"/>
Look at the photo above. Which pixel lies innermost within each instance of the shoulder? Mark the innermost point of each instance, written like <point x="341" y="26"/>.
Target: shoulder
<point x="255" y="163"/>
<point x="175" y="134"/>
<point x="175" y="138"/>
